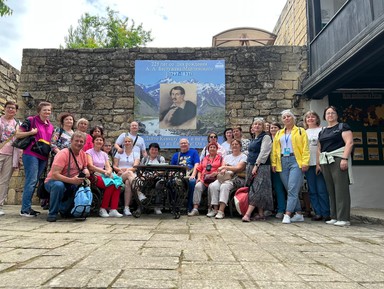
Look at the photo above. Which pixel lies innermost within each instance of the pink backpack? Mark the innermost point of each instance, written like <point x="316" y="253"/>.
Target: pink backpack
<point x="241" y="200"/>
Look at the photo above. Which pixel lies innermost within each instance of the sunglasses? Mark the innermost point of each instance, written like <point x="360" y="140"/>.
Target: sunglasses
<point x="212" y="136"/>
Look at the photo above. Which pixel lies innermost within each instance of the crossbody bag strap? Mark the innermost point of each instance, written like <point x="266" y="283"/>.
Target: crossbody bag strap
<point x="77" y="165"/>
<point x="69" y="163"/>
<point x="134" y="143"/>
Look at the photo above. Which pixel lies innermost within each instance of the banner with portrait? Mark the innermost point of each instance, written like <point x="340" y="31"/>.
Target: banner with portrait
<point x="179" y="98"/>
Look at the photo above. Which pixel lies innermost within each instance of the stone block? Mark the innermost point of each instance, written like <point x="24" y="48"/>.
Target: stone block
<point x="283" y="84"/>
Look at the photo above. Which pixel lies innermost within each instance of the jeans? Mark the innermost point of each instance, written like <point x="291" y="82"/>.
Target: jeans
<point x="191" y="188"/>
<point x="33" y="168"/>
<point x="61" y="197"/>
<point x="292" y="178"/>
<point x="318" y="193"/>
<point x="280" y="192"/>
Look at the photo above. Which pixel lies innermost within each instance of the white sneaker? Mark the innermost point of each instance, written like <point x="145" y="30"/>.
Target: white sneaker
<point x="2" y="213"/>
<point x="297" y="218"/>
<point x="342" y="223"/>
<point x="211" y="213"/>
<point x="286" y="219"/>
<point x="220" y="215"/>
<point x="103" y="213"/>
<point x="141" y="196"/>
<point x="194" y="212"/>
<point x="115" y="213"/>
<point x="158" y="211"/>
<point x="331" y="222"/>
<point x="127" y="212"/>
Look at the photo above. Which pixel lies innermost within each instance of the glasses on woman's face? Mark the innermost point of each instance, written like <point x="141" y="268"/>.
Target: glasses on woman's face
<point x="212" y="136"/>
<point x="107" y="145"/>
<point x="330" y="113"/>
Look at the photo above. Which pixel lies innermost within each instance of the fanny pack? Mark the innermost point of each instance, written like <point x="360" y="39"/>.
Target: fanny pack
<point x="41" y="147"/>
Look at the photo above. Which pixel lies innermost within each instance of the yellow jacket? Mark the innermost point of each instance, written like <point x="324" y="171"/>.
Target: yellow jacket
<point x="299" y="144"/>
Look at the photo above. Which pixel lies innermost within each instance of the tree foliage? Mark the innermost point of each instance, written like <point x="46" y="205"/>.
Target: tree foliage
<point x="4" y="9"/>
<point x="106" y="32"/>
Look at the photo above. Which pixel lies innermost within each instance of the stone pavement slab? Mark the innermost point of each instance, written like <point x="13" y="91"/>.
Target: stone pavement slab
<point x="191" y="252"/>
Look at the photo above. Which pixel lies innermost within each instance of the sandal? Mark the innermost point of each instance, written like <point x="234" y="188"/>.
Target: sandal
<point x="259" y="218"/>
<point x="246" y="218"/>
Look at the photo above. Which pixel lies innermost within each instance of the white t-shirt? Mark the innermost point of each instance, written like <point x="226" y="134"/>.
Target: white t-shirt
<point x="127" y="161"/>
<point x="139" y="145"/>
<point x="232" y="160"/>
<point x="313" y="137"/>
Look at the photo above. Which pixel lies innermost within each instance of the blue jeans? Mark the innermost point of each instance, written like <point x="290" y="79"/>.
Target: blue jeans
<point x="292" y="178"/>
<point x="318" y="192"/>
<point x="33" y="168"/>
<point x="191" y="189"/>
<point x="61" y="197"/>
<point x="279" y="189"/>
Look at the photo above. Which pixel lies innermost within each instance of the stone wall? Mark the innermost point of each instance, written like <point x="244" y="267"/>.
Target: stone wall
<point x="9" y="82"/>
<point x="291" y="28"/>
<point x="99" y="83"/>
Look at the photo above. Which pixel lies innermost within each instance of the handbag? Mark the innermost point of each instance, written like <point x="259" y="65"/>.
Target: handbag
<point x="23" y="143"/>
<point x="210" y="178"/>
<point x="222" y="177"/>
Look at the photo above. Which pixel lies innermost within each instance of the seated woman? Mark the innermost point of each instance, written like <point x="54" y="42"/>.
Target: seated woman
<point x="208" y="166"/>
<point x="153" y="157"/>
<point x="123" y="164"/>
<point x="98" y="164"/>
<point x="218" y="191"/>
<point x="107" y="148"/>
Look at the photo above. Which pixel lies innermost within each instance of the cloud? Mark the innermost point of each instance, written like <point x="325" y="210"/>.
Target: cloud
<point x="174" y="23"/>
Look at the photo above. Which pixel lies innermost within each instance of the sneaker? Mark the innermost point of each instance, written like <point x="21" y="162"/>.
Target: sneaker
<point x="267" y="213"/>
<point x="32" y="213"/>
<point x="297" y="218"/>
<point x="127" y="212"/>
<point x="342" y="223"/>
<point x="211" y="213"/>
<point x="51" y="219"/>
<point x="286" y="219"/>
<point x="219" y="215"/>
<point x="2" y="213"/>
<point x="115" y="213"/>
<point x="279" y="216"/>
<point x="331" y="222"/>
<point x="194" y="212"/>
<point x="141" y="196"/>
<point x="103" y="213"/>
<point x="157" y="211"/>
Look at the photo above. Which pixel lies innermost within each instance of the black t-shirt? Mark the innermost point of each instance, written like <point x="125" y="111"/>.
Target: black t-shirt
<point x="330" y="137"/>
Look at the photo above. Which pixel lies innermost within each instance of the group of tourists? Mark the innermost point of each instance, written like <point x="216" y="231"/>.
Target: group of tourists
<point x="272" y="163"/>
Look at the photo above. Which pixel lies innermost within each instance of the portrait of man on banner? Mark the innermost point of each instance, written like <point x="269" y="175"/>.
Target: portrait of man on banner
<point x="178" y="106"/>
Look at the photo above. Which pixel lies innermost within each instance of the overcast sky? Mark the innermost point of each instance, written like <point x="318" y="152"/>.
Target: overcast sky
<point x="174" y="23"/>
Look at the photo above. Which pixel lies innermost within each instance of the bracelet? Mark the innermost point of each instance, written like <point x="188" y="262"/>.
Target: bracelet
<point x="344" y="159"/>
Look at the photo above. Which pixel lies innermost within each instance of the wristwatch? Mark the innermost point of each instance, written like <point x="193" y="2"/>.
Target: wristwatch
<point x="344" y="159"/>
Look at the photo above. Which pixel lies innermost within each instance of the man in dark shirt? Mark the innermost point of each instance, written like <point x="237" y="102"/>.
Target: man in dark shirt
<point x="180" y="111"/>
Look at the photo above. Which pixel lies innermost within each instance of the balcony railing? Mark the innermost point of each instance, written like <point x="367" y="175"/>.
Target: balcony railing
<point x="350" y="29"/>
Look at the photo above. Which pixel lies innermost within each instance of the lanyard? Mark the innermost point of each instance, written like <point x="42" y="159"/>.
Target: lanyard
<point x="285" y="137"/>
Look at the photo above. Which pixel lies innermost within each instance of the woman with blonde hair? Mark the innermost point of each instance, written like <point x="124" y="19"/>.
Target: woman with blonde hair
<point x="123" y="164"/>
<point x="82" y="125"/>
<point x="290" y="157"/>
<point x="258" y="172"/>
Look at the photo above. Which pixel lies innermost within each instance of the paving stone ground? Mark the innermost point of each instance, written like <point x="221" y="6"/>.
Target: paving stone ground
<point x="191" y="252"/>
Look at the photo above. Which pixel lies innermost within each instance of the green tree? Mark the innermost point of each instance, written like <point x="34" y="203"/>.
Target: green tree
<point x="106" y="32"/>
<point x="4" y="9"/>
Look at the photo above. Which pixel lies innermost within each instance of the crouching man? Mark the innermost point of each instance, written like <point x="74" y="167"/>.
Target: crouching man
<point x="69" y="169"/>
